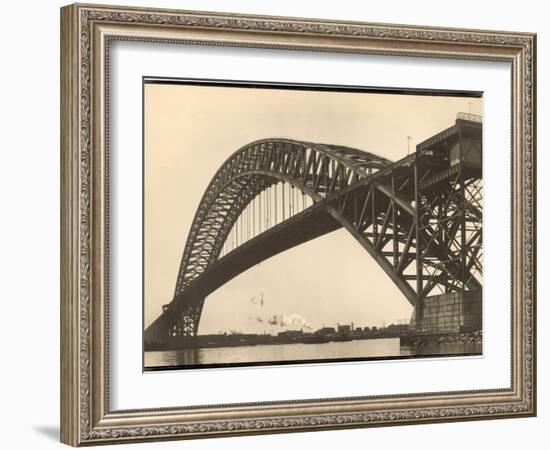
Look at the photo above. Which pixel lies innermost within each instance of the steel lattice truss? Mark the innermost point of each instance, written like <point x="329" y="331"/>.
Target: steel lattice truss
<point x="318" y="170"/>
<point x="420" y="219"/>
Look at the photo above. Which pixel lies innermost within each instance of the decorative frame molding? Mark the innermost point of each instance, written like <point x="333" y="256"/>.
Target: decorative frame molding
<point x="86" y="31"/>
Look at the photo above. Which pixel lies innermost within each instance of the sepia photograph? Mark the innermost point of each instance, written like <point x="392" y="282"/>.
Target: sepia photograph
<point x="301" y="224"/>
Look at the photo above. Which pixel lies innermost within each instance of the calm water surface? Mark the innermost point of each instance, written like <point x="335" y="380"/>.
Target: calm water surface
<point x="365" y="348"/>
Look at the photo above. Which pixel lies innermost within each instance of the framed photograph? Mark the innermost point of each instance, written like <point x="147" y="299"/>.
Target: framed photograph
<point x="267" y="222"/>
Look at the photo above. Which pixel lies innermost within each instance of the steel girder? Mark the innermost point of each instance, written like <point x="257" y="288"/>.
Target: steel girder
<point x="426" y="234"/>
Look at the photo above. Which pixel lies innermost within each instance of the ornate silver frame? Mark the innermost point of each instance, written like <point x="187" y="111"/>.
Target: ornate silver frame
<point x="86" y="31"/>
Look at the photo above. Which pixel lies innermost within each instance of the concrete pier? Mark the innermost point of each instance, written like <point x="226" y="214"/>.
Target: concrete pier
<point x="455" y="312"/>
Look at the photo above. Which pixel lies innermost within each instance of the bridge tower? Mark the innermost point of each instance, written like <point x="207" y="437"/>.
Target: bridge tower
<point x="450" y="207"/>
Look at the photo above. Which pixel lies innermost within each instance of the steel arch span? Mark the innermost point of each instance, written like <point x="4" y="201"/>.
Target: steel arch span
<point x="419" y="218"/>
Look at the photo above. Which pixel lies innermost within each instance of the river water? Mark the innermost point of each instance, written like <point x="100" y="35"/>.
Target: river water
<point x="281" y="353"/>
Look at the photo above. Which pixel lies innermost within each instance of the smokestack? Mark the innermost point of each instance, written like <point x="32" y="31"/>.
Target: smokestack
<point x="351" y="326"/>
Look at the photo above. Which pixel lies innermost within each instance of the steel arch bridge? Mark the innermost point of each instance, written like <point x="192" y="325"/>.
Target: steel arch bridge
<point x="420" y="218"/>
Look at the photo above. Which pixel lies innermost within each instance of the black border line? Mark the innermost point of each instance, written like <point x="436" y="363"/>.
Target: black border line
<point x="295" y="86"/>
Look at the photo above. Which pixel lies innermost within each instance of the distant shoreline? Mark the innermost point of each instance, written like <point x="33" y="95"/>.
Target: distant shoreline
<point x="240" y="340"/>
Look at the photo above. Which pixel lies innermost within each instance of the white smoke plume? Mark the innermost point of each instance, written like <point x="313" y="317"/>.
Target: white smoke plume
<point x="284" y="320"/>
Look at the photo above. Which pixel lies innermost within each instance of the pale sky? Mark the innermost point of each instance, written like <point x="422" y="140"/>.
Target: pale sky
<point x="191" y="130"/>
